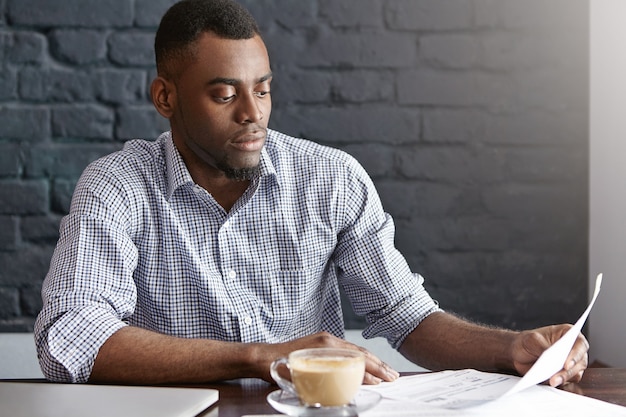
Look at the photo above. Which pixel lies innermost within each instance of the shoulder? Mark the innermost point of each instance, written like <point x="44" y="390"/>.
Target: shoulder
<point x="123" y="178"/>
<point x="137" y="161"/>
<point x="136" y="155"/>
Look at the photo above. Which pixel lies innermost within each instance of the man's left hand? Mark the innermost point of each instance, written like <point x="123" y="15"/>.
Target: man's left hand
<point x="529" y="345"/>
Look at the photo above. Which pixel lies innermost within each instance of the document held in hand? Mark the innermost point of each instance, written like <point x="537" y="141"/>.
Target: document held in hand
<point x="552" y="360"/>
<point x="469" y="387"/>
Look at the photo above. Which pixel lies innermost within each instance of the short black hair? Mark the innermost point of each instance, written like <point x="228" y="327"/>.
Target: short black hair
<point x="186" y="20"/>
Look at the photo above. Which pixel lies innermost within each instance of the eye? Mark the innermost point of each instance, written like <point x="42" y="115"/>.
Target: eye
<point x="224" y="99"/>
<point x="262" y="94"/>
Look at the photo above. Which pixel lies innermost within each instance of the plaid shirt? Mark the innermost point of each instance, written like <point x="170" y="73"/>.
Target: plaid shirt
<point x="143" y="245"/>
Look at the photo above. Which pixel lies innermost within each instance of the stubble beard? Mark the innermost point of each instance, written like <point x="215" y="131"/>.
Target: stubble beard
<point x="238" y="174"/>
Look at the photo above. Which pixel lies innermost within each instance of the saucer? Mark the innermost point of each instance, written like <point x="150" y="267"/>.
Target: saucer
<point x="289" y="404"/>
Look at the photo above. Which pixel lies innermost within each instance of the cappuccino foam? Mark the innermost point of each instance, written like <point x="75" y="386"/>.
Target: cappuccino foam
<point x="329" y="381"/>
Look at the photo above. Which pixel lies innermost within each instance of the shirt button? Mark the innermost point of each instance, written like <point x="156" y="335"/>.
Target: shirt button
<point x="232" y="274"/>
<point x="197" y="189"/>
<point x="247" y="320"/>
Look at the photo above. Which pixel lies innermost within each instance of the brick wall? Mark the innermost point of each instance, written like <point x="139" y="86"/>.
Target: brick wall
<point x="470" y="116"/>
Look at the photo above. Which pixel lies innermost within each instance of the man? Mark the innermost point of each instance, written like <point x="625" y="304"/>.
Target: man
<point x="220" y="247"/>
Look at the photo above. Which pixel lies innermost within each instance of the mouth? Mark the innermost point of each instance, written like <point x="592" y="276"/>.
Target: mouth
<point x="249" y="141"/>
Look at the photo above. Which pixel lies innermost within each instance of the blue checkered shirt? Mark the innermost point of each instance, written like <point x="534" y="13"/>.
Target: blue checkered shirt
<point x="143" y="245"/>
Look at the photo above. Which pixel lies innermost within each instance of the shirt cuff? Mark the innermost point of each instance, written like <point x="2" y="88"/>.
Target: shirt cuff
<point x="405" y="317"/>
<point x="75" y="339"/>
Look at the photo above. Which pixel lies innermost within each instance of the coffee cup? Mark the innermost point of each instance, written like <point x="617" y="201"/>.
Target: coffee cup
<point x="326" y="377"/>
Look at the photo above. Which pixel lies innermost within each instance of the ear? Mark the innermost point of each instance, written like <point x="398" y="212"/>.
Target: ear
<point x="163" y="96"/>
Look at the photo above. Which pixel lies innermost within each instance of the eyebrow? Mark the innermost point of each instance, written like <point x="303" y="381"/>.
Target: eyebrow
<point x="235" y="81"/>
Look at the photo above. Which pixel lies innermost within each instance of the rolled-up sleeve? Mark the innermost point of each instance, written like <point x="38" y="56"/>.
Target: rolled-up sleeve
<point x="374" y="274"/>
<point x="89" y="289"/>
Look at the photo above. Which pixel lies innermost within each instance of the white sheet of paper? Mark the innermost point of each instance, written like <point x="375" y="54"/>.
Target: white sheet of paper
<point x="448" y="389"/>
<point x="469" y="388"/>
<point x="536" y="401"/>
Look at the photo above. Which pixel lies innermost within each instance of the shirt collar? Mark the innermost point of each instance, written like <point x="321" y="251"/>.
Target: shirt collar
<point x="176" y="170"/>
<point x="178" y="175"/>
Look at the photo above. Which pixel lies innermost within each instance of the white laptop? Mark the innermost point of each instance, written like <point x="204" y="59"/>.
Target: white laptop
<point x="34" y="399"/>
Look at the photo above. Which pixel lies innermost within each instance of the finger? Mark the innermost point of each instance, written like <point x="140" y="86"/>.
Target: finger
<point x="370" y="379"/>
<point x="376" y="370"/>
<point x="578" y="354"/>
<point x="382" y="372"/>
<point x="574" y="373"/>
<point x="577" y="361"/>
<point x="556" y="380"/>
<point x="578" y="377"/>
<point x="385" y="372"/>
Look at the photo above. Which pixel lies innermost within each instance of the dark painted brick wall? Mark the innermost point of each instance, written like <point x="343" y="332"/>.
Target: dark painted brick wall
<point x="470" y="116"/>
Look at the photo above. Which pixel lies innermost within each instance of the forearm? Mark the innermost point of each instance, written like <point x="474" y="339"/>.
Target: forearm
<point x="443" y="341"/>
<point x="136" y="356"/>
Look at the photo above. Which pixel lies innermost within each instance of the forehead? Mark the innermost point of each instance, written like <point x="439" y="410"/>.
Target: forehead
<point x="218" y="57"/>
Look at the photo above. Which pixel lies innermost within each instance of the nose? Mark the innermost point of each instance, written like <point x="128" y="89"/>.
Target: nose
<point x="249" y="110"/>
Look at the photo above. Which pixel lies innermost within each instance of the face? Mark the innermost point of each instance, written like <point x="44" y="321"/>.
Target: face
<point x="219" y="106"/>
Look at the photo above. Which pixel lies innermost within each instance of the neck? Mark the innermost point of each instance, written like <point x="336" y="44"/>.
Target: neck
<point x="226" y="191"/>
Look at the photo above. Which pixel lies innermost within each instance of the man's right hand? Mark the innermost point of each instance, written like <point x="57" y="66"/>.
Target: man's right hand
<point x="376" y="370"/>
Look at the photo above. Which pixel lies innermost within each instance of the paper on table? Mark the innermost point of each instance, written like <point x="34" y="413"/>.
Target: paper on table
<point x="466" y="388"/>
<point x="448" y="389"/>
<point x="536" y="401"/>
